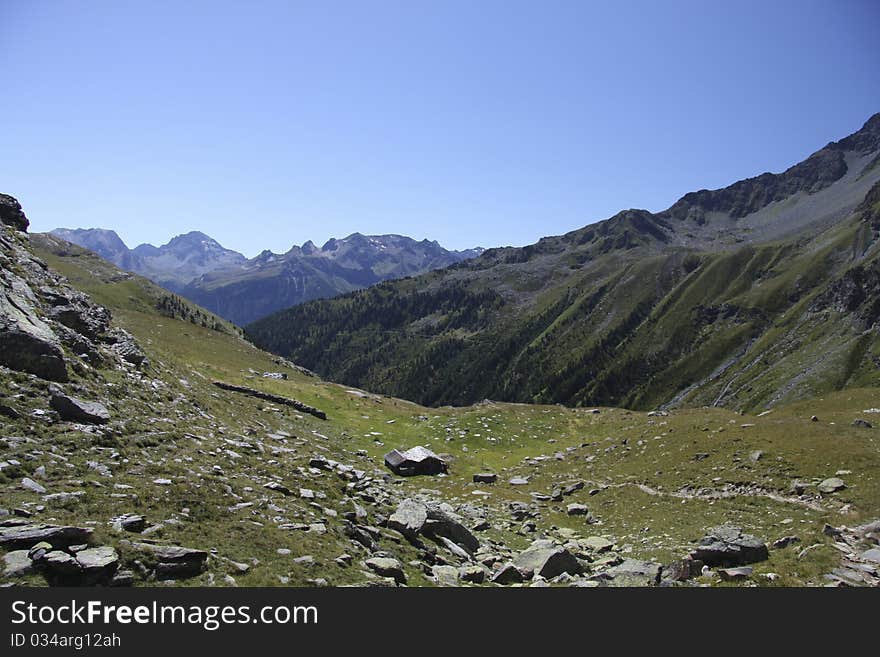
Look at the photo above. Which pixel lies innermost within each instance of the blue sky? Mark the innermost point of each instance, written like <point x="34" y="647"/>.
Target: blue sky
<point x="480" y="122"/>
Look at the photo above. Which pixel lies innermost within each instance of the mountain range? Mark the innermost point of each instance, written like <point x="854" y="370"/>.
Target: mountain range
<point x="242" y="290"/>
<point x="767" y="290"/>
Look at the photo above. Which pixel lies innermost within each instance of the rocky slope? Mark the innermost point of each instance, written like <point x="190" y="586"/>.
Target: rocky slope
<point x="241" y="290"/>
<point x="122" y="462"/>
<point x="730" y="297"/>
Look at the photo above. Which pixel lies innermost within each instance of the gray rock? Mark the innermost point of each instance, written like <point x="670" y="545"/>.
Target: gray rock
<point x="596" y="543"/>
<point x="174" y="561"/>
<point x="122" y="578"/>
<point x="831" y="485"/>
<point x="60" y="564"/>
<point x="11" y="213"/>
<point x="409" y="518"/>
<point x="98" y="561"/>
<point x="130" y="522"/>
<point x="77" y="410"/>
<point x="728" y="546"/>
<point x="473" y="574"/>
<point x="443" y="521"/>
<point x="27" y="344"/>
<point x="507" y="574"/>
<point x="577" y="509"/>
<point x="27" y="535"/>
<point x="485" y="478"/>
<point x="784" y="542"/>
<point x="633" y="572"/>
<point x="76" y="311"/>
<point x="33" y="486"/>
<point x="387" y="567"/>
<point x="39" y="550"/>
<point x="278" y="488"/>
<point x="682" y="570"/>
<point x="17" y="564"/>
<point x="735" y="574"/>
<point x="872" y="555"/>
<point x="123" y="344"/>
<point x="862" y="424"/>
<point x="518" y="481"/>
<point x="453" y="547"/>
<point x="445" y="575"/>
<point x="547" y="560"/>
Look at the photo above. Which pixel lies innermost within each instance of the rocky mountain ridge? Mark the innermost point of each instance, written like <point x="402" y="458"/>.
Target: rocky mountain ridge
<point x="242" y="290"/>
<point x="730" y="297"/>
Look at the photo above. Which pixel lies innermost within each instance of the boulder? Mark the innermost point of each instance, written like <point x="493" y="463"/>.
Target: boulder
<point x="862" y="424"/>
<point x="735" y="574"/>
<point x="831" y="485"/>
<point x="76" y="311"/>
<point x="123" y="344"/>
<point x="98" y="563"/>
<point x="729" y="546"/>
<point x="27" y="344"/>
<point x="29" y="484"/>
<point x="443" y="521"/>
<point x="11" y="213"/>
<point x="485" y="478"/>
<point x="577" y="509"/>
<point x="682" y="570"/>
<point x="17" y="564"/>
<point x="279" y="488"/>
<point x="784" y="542"/>
<point x="474" y="574"/>
<point x="27" y="535"/>
<point x="507" y="574"/>
<point x="174" y="561"/>
<point x="59" y="564"/>
<point x="76" y="410"/>
<point x="387" y="567"/>
<point x="547" y="560"/>
<point x="596" y="543"/>
<point x="415" y="461"/>
<point x="130" y="522"/>
<point x="633" y="572"/>
<point x="409" y="518"/>
<point x="445" y="575"/>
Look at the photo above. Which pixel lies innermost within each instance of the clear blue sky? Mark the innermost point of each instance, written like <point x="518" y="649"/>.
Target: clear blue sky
<point x="478" y="122"/>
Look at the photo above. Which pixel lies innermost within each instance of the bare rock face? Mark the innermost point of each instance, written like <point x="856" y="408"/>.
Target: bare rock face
<point x="27" y="343"/>
<point x="77" y="410"/>
<point x="45" y="324"/>
<point x="11" y="213"/>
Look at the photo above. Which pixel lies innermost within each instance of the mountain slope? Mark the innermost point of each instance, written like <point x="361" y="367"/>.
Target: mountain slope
<point x="241" y="290"/>
<point x="725" y="298"/>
